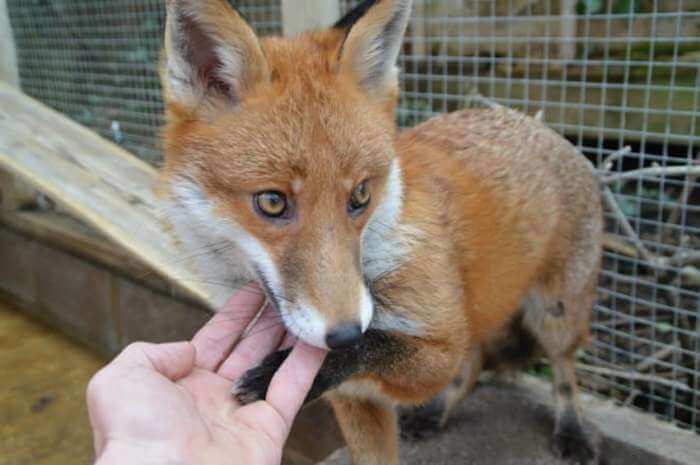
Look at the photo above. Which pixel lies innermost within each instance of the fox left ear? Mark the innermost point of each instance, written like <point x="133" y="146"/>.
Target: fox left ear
<point x="372" y="45"/>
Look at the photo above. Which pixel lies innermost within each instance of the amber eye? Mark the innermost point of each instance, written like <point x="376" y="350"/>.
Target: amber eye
<point x="272" y="204"/>
<point x="359" y="199"/>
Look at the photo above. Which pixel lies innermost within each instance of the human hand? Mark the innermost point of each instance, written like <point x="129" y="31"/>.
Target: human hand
<point x="171" y="403"/>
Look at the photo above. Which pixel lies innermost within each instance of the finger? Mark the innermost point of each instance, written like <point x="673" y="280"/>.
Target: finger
<point x="173" y="360"/>
<point x="292" y="382"/>
<point x="288" y="341"/>
<point x="215" y="340"/>
<point x="262" y="339"/>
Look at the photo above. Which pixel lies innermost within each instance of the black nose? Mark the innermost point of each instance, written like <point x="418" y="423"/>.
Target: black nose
<point x="343" y="335"/>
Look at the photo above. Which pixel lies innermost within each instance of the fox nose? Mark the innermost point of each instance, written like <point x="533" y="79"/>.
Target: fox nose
<point x="343" y="335"/>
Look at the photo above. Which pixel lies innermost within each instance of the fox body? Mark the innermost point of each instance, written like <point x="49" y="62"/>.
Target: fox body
<point x="417" y="257"/>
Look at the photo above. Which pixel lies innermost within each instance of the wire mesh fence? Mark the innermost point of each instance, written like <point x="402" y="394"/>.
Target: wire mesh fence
<point x="619" y="78"/>
<point x="97" y="61"/>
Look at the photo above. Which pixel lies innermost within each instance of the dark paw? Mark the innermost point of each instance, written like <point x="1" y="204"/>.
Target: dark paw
<point x="253" y="385"/>
<point x="573" y="445"/>
<point x="422" y="422"/>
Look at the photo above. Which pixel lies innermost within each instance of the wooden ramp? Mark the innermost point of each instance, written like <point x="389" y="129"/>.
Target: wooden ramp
<point x="95" y="180"/>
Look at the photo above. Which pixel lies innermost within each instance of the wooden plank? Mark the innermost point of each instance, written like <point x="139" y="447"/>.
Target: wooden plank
<point x="14" y="194"/>
<point x="97" y="181"/>
<point x="522" y="36"/>
<point x="303" y="15"/>
<point x="69" y="234"/>
<point x="663" y="114"/>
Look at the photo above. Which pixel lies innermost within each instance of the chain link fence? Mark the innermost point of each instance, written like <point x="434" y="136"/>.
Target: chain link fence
<point x="619" y="78"/>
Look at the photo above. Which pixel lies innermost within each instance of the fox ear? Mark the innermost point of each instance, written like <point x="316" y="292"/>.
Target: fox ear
<point x="212" y="56"/>
<point x="375" y="31"/>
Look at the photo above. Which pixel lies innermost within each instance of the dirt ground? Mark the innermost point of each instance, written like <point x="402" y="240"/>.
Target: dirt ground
<point x="43" y="420"/>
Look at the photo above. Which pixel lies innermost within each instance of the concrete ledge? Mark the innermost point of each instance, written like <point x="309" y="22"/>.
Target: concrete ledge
<point x="511" y="424"/>
<point x="630" y="436"/>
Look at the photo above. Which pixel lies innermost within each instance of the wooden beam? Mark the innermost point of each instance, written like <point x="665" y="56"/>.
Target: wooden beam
<point x="97" y="181"/>
<point x="303" y="15"/>
<point x="15" y="194"/>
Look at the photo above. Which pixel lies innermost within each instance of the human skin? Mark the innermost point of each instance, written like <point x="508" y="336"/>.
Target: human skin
<point x="171" y="403"/>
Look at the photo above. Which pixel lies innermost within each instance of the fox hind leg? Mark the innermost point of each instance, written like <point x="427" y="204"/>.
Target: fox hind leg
<point x="559" y="326"/>
<point x="428" y="419"/>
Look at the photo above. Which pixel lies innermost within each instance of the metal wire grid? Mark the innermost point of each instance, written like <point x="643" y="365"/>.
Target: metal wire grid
<point x="605" y="74"/>
<point x="97" y="61"/>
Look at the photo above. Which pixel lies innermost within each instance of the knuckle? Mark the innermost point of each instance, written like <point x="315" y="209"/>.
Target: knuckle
<point x="136" y="347"/>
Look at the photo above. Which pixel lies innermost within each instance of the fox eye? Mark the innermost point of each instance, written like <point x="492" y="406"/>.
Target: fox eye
<point x="359" y="198"/>
<point x="271" y="204"/>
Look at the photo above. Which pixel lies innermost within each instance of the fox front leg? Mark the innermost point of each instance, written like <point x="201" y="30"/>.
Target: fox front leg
<point x="376" y="350"/>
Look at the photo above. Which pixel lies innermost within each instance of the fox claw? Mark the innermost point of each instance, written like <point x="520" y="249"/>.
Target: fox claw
<point x="253" y="385"/>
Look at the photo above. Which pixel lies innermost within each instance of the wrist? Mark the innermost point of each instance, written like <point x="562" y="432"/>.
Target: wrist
<point x="126" y="453"/>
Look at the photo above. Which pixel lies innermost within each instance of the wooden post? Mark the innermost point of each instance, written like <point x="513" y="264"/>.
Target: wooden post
<point x="567" y="47"/>
<point x="14" y="194"/>
<point x="8" y="58"/>
<point x="416" y="27"/>
<point x="303" y="15"/>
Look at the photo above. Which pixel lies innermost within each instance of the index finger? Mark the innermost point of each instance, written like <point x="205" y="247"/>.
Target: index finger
<point x="293" y="380"/>
<point x="218" y="336"/>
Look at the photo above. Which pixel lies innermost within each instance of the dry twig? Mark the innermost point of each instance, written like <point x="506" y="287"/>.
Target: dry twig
<point x="634" y="376"/>
<point x="688" y="188"/>
<point x="656" y="357"/>
<point x="682" y="258"/>
<point x="652" y="171"/>
<point x="607" y="163"/>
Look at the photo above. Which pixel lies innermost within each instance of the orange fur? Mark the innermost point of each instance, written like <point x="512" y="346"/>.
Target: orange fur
<point x="500" y="216"/>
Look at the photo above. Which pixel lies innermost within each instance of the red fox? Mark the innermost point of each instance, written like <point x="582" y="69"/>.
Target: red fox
<point x="418" y="258"/>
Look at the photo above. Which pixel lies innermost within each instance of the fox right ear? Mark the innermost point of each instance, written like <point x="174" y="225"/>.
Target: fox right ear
<point x="212" y="56"/>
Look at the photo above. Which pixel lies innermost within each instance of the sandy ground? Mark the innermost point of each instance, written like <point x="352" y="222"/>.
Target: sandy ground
<point x="43" y="420"/>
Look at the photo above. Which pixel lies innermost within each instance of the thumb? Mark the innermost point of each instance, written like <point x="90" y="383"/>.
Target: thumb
<point x="173" y="360"/>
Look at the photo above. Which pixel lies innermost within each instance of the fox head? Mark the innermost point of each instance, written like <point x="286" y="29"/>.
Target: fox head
<point x="280" y="160"/>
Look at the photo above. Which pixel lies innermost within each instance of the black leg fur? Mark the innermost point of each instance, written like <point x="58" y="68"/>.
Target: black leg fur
<point x="571" y="442"/>
<point x="422" y="422"/>
<point x="253" y="385"/>
<point x="375" y="351"/>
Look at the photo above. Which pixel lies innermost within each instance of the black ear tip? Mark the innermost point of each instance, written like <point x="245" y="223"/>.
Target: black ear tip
<point x="350" y="18"/>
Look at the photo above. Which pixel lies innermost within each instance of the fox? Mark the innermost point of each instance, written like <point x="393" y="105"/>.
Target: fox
<point x="417" y="258"/>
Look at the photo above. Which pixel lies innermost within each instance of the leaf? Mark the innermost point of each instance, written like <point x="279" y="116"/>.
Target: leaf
<point x="625" y="6"/>
<point x="664" y="327"/>
<point x="589" y="7"/>
<point x="629" y="206"/>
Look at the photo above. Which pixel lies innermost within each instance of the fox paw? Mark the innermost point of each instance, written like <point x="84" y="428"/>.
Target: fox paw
<point x="575" y="447"/>
<point x="422" y="422"/>
<point x="253" y="385"/>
